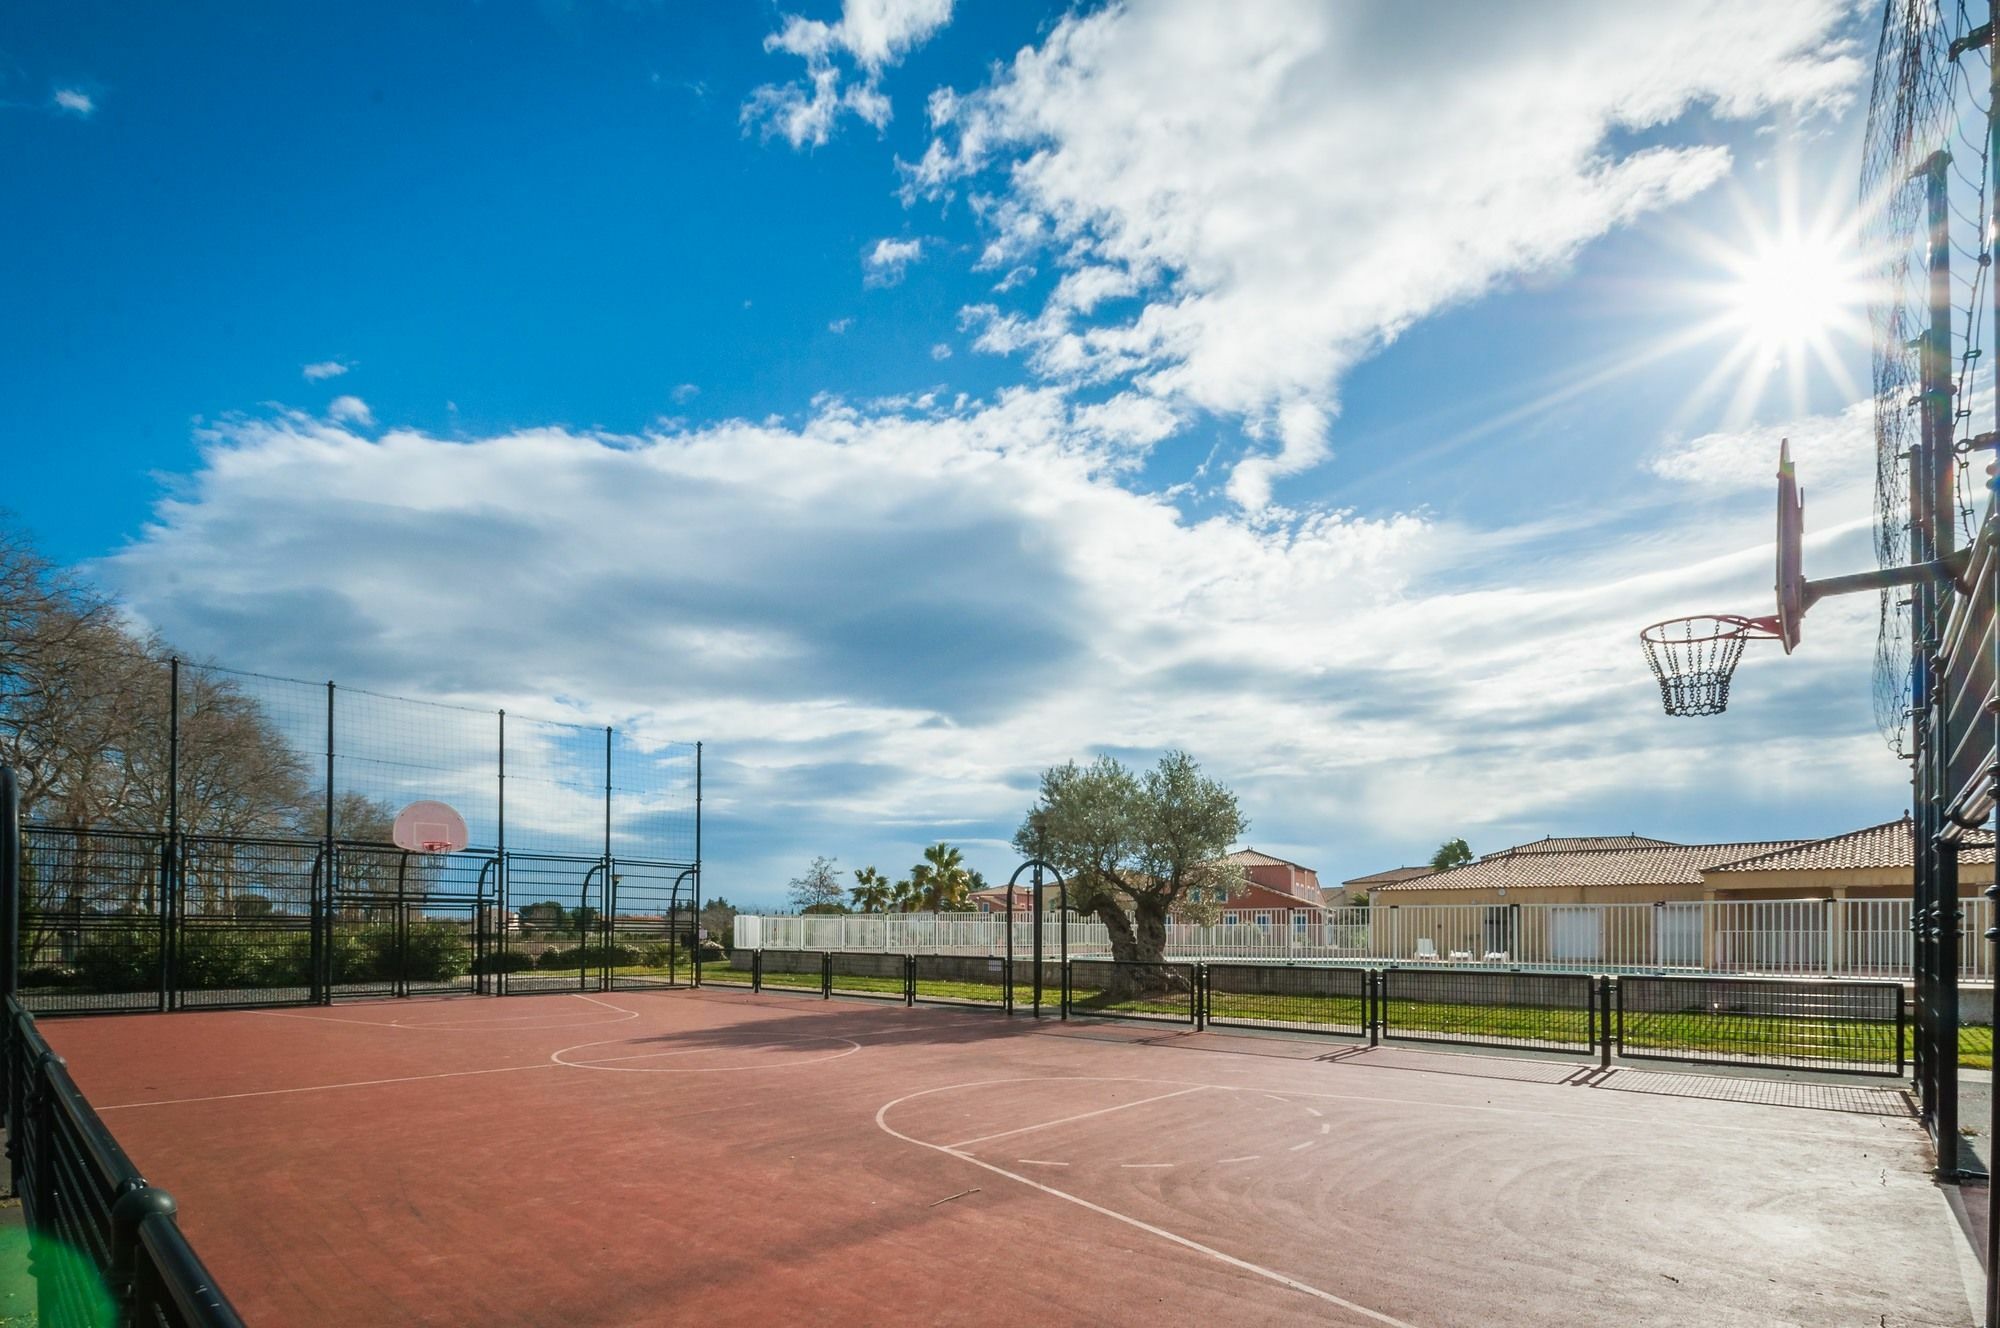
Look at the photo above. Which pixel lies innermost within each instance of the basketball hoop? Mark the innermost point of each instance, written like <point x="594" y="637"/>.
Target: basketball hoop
<point x="429" y="827"/>
<point x="1694" y="658"/>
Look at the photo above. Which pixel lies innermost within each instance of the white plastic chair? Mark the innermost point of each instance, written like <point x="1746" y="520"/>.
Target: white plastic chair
<point x="1427" y="949"/>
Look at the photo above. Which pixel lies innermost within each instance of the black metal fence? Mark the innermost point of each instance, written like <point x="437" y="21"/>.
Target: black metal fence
<point x="1553" y="1011"/>
<point x="1293" y="998"/>
<point x="881" y="976"/>
<point x="1113" y="989"/>
<point x="1807" y="1025"/>
<point x="122" y="921"/>
<point x="1768" y="1023"/>
<point x="966" y="980"/>
<point x="103" y="1244"/>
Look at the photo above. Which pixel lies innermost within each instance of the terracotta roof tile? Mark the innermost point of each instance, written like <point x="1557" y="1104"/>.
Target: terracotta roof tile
<point x="1574" y="843"/>
<point x="1658" y="864"/>
<point x="1891" y="844"/>
<point x="1393" y="874"/>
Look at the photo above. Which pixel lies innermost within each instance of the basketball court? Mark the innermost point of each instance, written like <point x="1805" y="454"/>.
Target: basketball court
<point x="719" y="1156"/>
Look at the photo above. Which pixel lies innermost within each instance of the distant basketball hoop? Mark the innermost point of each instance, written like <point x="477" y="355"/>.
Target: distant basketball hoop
<point x="429" y="827"/>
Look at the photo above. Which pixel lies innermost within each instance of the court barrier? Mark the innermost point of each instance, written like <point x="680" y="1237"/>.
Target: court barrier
<point x="1116" y="989"/>
<point x="1854" y="1026"/>
<point x="1300" y="999"/>
<point x="1766" y="1023"/>
<point x="103" y="1245"/>
<point x="1550" y="1011"/>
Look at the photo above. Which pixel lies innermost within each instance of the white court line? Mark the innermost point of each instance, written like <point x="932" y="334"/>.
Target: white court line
<point x="1293" y="1283"/>
<point x="1301" y="1147"/>
<point x="321" y="1088"/>
<point x="1038" y="1162"/>
<point x="504" y="1024"/>
<point x="1143" y="1166"/>
<point x="1249" y="1157"/>
<point x="1086" y="1115"/>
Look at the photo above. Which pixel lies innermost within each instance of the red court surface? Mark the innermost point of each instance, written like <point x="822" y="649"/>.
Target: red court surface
<point x="724" y="1158"/>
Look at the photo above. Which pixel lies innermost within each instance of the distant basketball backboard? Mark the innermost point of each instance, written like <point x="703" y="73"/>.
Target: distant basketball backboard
<point x="429" y="827"/>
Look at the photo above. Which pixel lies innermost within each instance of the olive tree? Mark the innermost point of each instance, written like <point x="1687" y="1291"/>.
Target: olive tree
<point x="1135" y="848"/>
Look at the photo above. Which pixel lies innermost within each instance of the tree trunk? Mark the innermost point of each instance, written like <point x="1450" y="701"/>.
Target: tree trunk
<point x="1139" y="946"/>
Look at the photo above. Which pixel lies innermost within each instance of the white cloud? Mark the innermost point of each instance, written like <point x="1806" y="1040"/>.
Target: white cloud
<point x="74" y="101"/>
<point x="839" y="326"/>
<point x="685" y="393"/>
<point x="1353" y="678"/>
<point x="884" y="264"/>
<point x="941" y="351"/>
<point x="870" y="34"/>
<point x="1279" y="190"/>
<point x="350" y="410"/>
<point x="323" y="369"/>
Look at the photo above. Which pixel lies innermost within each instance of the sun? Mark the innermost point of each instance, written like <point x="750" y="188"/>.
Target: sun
<point x="1793" y="294"/>
<point x="1786" y="300"/>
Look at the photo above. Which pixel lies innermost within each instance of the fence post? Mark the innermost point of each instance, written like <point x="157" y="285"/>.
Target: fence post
<point x="10" y="885"/>
<point x="128" y="1213"/>
<point x="170" y="851"/>
<point x="1198" y="997"/>
<point x="909" y="979"/>
<point x="1900" y="1026"/>
<point x="756" y="971"/>
<point x="826" y="975"/>
<point x="1604" y="1049"/>
<point x="1381" y="1005"/>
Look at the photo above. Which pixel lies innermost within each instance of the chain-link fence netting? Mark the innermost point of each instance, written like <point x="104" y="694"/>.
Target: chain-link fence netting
<point x="147" y="743"/>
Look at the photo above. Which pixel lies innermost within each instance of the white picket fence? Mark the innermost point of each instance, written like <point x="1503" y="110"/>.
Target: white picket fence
<point x="1832" y="937"/>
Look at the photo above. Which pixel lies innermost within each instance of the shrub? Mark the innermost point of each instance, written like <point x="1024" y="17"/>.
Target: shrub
<point x="217" y="958"/>
<point x="120" y="959"/>
<point x="504" y="961"/>
<point x="436" y="952"/>
<point x="48" y="975"/>
<point x="587" y="956"/>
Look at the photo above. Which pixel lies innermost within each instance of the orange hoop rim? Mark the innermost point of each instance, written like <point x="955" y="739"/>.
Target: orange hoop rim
<point x="1727" y="626"/>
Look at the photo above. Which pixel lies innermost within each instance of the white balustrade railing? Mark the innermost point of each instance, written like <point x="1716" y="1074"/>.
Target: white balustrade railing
<point x="1867" y="938"/>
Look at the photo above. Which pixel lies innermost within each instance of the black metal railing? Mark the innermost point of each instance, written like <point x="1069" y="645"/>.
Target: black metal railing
<point x="962" y="980"/>
<point x="104" y="1245"/>
<point x="1295" y="998"/>
<point x="879" y="976"/>
<point x="1780" y="1023"/>
<point x="1114" y="989"/>
<point x="802" y="971"/>
<point x="1553" y="1011"/>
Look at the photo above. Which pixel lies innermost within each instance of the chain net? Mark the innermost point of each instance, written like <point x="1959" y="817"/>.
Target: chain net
<point x="1923" y="100"/>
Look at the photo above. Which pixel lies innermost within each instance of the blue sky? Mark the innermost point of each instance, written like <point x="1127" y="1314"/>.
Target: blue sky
<point x="905" y="397"/>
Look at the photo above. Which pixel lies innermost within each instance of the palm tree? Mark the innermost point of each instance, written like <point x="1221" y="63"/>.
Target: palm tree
<point x="905" y="896"/>
<point x="872" y="892"/>
<point x="944" y="880"/>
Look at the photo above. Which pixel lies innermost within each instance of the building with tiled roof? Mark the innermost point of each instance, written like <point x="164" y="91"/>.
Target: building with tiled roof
<point x="1336" y="896"/>
<point x="1572" y="844"/>
<point x="1647" y="873"/>
<point x="1878" y="862"/>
